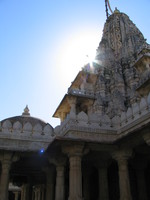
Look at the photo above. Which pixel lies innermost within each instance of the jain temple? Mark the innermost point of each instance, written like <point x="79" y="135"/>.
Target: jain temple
<point x="101" y="149"/>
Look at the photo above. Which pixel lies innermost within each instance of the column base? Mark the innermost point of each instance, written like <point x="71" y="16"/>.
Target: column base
<point x="75" y="198"/>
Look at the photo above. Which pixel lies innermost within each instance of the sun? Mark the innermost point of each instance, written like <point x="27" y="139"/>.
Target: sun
<point x="77" y="51"/>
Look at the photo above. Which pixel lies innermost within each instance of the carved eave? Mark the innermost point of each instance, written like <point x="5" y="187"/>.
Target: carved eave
<point x="143" y="66"/>
<point x="143" y="61"/>
<point x="83" y="85"/>
<point x="91" y="78"/>
<point x="63" y="107"/>
<point x="144" y="88"/>
<point x="77" y="81"/>
<point x="75" y="91"/>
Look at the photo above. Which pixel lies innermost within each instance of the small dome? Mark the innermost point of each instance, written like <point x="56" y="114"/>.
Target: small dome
<point x="23" y="120"/>
<point x="25" y="123"/>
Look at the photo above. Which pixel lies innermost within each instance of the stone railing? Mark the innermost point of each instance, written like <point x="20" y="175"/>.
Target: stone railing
<point x="77" y="131"/>
<point x="25" y="137"/>
<point x="79" y="92"/>
<point x="27" y="129"/>
<point x="95" y="128"/>
<point x="103" y="125"/>
<point x="136" y="111"/>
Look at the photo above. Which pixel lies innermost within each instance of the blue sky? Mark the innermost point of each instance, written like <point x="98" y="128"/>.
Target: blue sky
<point x="42" y="43"/>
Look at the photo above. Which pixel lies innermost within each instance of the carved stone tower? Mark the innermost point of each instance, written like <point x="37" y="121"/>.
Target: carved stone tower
<point x="116" y="54"/>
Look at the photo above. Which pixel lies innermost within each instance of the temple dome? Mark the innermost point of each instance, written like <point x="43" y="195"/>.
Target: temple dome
<point x="23" y="120"/>
<point x="27" y="124"/>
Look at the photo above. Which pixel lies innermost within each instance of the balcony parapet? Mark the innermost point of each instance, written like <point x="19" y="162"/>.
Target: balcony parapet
<point x="25" y="137"/>
<point x="103" y="129"/>
<point x="136" y="115"/>
<point x="82" y="93"/>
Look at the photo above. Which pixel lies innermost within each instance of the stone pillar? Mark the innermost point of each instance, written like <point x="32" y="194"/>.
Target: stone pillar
<point x="102" y="166"/>
<point x="60" y="183"/>
<point x="103" y="183"/>
<point x="50" y="172"/>
<point x="75" y="153"/>
<point x="39" y="192"/>
<point x="36" y="193"/>
<point x="6" y="159"/>
<point x="25" y="192"/>
<point x="16" y="193"/>
<point x="59" y="162"/>
<point x="72" y="103"/>
<point x="121" y="157"/>
<point x="75" y="178"/>
<point x="6" y="164"/>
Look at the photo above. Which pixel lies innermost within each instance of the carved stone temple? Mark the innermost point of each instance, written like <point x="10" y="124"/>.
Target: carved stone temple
<point x="101" y="149"/>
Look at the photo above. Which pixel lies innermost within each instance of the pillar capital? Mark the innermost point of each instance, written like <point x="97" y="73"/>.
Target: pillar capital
<point x="123" y="154"/>
<point x="75" y="150"/>
<point x="8" y="157"/>
<point x="71" y="100"/>
<point x="59" y="160"/>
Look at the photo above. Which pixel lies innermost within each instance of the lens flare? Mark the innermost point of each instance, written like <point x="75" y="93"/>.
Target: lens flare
<point x="76" y="52"/>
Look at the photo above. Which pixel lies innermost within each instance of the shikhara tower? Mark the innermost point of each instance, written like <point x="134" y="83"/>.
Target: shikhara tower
<point x="101" y="149"/>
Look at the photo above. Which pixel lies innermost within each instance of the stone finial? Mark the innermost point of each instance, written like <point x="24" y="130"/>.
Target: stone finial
<point x="116" y="10"/>
<point x="26" y="111"/>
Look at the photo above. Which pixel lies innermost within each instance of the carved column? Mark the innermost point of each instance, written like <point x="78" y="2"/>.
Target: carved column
<point x="6" y="159"/>
<point x="75" y="153"/>
<point x="59" y="162"/>
<point x="121" y="157"/>
<point x="60" y="183"/>
<point x="36" y="193"/>
<point x="75" y="178"/>
<point x="6" y="164"/>
<point x="16" y="195"/>
<point x="72" y="103"/>
<point x="89" y="105"/>
<point x="102" y="166"/>
<point x="39" y="192"/>
<point x="50" y="175"/>
<point x="25" y="192"/>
